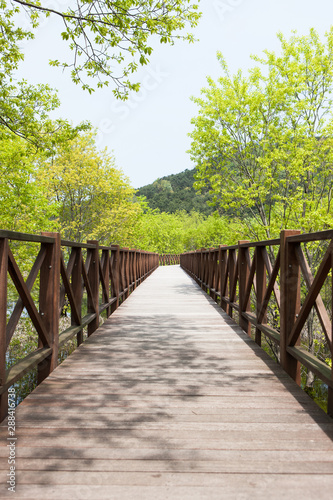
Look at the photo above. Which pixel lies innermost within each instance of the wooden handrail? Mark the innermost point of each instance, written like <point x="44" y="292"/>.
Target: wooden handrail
<point x="243" y="283"/>
<point x="107" y="274"/>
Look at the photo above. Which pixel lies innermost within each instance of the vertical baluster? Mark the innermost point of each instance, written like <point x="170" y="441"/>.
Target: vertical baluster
<point x="115" y="275"/>
<point x="49" y="303"/>
<point x="135" y="276"/>
<point x="290" y="287"/>
<point x="243" y="276"/>
<point x="223" y="261"/>
<point x="3" y="323"/>
<point x="106" y="276"/>
<point x="93" y="277"/>
<point x="232" y="278"/>
<point x="330" y="390"/>
<point x="77" y="289"/>
<point x="261" y="279"/>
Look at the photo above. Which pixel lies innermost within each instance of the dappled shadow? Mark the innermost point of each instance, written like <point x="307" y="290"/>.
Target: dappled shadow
<point x="157" y="387"/>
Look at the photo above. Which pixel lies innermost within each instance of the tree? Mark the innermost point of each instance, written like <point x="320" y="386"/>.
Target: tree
<point x="107" y="33"/>
<point x="179" y="232"/>
<point x="263" y="142"/>
<point x="23" y="199"/>
<point x="24" y="108"/>
<point x="94" y="199"/>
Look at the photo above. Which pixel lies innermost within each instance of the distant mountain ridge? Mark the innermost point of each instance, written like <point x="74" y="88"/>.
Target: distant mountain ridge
<point x="176" y="192"/>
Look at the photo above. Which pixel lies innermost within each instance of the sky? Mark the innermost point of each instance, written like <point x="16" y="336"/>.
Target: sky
<point x="148" y="134"/>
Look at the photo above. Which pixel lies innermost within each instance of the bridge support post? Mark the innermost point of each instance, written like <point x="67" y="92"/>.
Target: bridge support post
<point x="290" y="293"/>
<point x="105" y="267"/>
<point x="93" y="277"/>
<point x="77" y="289"/>
<point x="243" y="276"/>
<point x="223" y="260"/>
<point x="232" y="268"/>
<point x="135" y="272"/>
<point x="127" y="271"/>
<point x="261" y="288"/>
<point x="49" y="303"/>
<point x="330" y="390"/>
<point x="115" y="277"/>
<point x="3" y="324"/>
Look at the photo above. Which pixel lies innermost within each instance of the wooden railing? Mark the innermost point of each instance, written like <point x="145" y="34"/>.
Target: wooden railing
<point x="169" y="259"/>
<point x="246" y="277"/>
<point x="85" y="276"/>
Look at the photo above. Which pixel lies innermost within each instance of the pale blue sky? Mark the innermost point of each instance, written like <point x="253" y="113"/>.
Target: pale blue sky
<point x="148" y="134"/>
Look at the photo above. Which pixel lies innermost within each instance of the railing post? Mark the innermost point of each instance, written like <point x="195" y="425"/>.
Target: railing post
<point x="77" y="289"/>
<point x="243" y="276"/>
<point x="115" y="276"/>
<point x="330" y="390"/>
<point x="139" y="265"/>
<point x="3" y="323"/>
<point x="105" y="263"/>
<point x="216" y="273"/>
<point x="290" y="288"/>
<point x="93" y="277"/>
<point x="49" y="303"/>
<point x="223" y="274"/>
<point x="202" y="269"/>
<point x="261" y="288"/>
<point x="134" y="270"/>
<point x="231" y="272"/>
<point x="210" y="266"/>
<point x="197" y="266"/>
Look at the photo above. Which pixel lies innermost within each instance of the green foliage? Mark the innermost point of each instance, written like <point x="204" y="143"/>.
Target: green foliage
<point x="23" y="199"/>
<point x="24" y="108"/>
<point x="179" y="232"/>
<point x="176" y="192"/>
<point x="93" y="198"/>
<point x="109" y="40"/>
<point x="263" y="142"/>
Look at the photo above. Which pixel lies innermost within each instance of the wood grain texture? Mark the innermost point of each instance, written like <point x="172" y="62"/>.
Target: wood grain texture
<point x="169" y="399"/>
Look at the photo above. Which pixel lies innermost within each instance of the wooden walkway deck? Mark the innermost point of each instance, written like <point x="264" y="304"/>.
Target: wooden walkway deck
<point x="170" y="400"/>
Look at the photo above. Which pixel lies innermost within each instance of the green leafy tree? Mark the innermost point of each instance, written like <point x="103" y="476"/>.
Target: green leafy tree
<point x="159" y="232"/>
<point x="24" y="108"/>
<point x="263" y="142"/>
<point x="94" y="199"/>
<point x="211" y="231"/>
<point x="23" y="199"/>
<point x="105" y="35"/>
<point x="179" y="232"/>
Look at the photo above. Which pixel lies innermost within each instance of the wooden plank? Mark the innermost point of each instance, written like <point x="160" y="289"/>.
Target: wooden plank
<point x="233" y="486"/>
<point x="314" y="364"/>
<point x="17" y="236"/>
<point x="266" y="329"/>
<point x="170" y="399"/>
<point x="76" y="464"/>
<point x="24" y="366"/>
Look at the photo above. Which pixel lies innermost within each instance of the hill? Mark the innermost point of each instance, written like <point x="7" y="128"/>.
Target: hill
<point x="176" y="192"/>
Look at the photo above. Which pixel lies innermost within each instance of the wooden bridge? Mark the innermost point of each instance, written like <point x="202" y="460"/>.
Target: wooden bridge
<point x="168" y="398"/>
